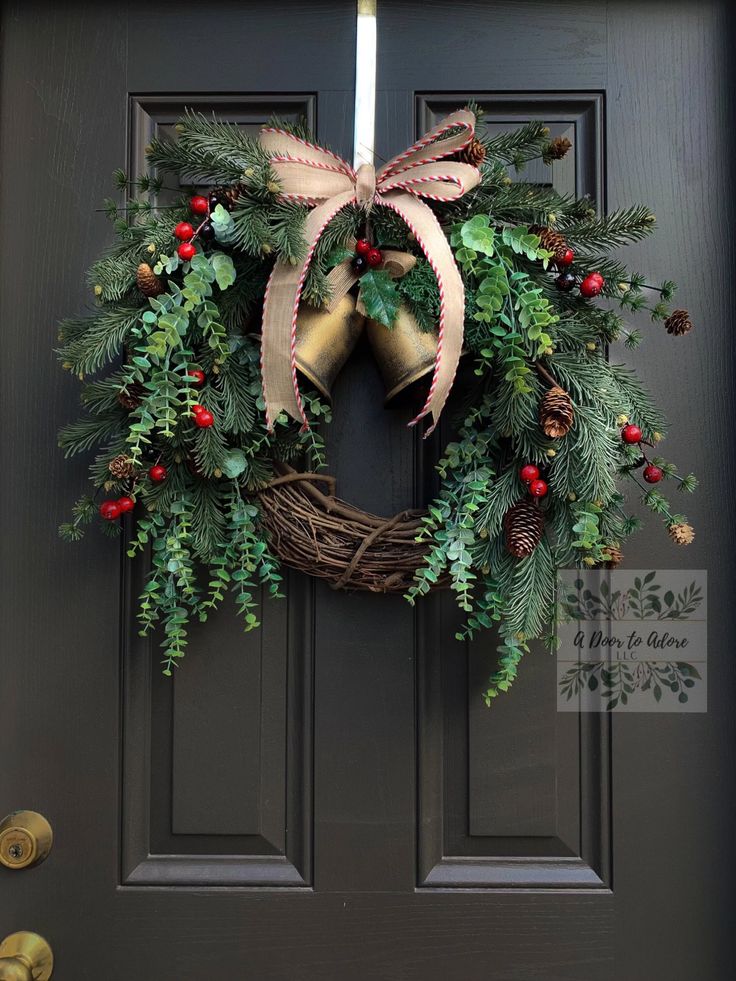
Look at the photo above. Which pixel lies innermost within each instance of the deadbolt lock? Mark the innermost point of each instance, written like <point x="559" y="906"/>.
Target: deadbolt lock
<point x="25" y="840"/>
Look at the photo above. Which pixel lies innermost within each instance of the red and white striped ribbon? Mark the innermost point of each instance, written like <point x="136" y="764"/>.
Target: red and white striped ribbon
<point x="317" y="177"/>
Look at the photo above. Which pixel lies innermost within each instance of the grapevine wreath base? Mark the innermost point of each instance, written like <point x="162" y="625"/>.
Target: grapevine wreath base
<point x="323" y="536"/>
<point x="245" y="268"/>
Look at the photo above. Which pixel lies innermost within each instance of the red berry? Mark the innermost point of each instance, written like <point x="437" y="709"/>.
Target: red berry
<point x="109" y="510"/>
<point x="363" y="246"/>
<point x="199" y="205"/>
<point x="528" y="473"/>
<point x="374" y="257"/>
<point x="204" y="419"/>
<point x="157" y="473"/>
<point x="126" y="503"/>
<point x="196" y="409"/>
<point x="196" y="376"/>
<point x="183" y="231"/>
<point x="592" y="285"/>
<point x="567" y="258"/>
<point x="186" y="250"/>
<point x="538" y="488"/>
<point x="653" y="474"/>
<point x="631" y="434"/>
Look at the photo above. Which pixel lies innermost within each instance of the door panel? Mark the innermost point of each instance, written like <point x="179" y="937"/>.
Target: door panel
<point x="515" y="796"/>
<point x="328" y="797"/>
<point x="217" y="777"/>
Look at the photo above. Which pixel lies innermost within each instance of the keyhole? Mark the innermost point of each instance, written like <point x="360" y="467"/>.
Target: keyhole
<point x="16" y="851"/>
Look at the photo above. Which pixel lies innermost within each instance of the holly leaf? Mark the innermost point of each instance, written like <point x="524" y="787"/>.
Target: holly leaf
<point x="380" y="296"/>
<point x="337" y="256"/>
<point x="233" y="463"/>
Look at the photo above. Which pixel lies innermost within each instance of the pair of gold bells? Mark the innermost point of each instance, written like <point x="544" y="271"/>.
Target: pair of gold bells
<point x="325" y="340"/>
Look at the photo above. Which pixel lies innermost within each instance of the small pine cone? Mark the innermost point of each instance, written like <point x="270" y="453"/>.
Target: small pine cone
<point x="681" y="534"/>
<point x="557" y="148"/>
<point x="614" y="556"/>
<point x="556" y="413"/>
<point x="148" y="282"/>
<point x="552" y="241"/>
<point x="121" y="466"/>
<point x="131" y="397"/>
<point x="474" y="153"/>
<point x="678" y="323"/>
<point x="229" y="195"/>
<point x="523" y="524"/>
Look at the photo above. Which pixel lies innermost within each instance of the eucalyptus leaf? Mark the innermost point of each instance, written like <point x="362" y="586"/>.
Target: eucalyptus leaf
<point x="224" y="269"/>
<point x="233" y="463"/>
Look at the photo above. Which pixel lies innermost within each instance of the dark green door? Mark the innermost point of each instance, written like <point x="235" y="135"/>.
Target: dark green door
<point x="328" y="798"/>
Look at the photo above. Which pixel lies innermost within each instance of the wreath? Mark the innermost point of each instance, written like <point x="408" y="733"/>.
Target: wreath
<point x="232" y="298"/>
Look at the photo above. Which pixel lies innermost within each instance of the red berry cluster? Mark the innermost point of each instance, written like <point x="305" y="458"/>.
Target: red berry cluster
<point x="632" y="435"/>
<point x="529" y="475"/>
<point x="112" y="509"/>
<point x="185" y="231"/>
<point x="202" y="417"/>
<point x="590" y="286"/>
<point x="366" y="256"/>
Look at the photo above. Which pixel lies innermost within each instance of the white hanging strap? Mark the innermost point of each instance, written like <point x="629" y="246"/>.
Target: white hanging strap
<point x="365" y="83"/>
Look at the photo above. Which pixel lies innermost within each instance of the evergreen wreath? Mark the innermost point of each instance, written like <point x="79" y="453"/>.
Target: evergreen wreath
<point x="528" y="485"/>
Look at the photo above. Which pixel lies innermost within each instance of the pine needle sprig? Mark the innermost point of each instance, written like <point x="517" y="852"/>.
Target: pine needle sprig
<point x="518" y="145"/>
<point x="610" y="231"/>
<point x="97" y="340"/>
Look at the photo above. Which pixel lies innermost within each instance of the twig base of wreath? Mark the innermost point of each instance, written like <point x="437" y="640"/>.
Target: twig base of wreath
<point x="321" y="535"/>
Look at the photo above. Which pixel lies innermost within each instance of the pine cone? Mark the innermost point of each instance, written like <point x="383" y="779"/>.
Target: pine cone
<point x="614" y="556"/>
<point x="682" y="533"/>
<point x="131" y="397"/>
<point x="121" y="466"/>
<point x="556" y="148"/>
<point x="523" y="524"/>
<point x="228" y="196"/>
<point x="678" y="323"/>
<point x="148" y="282"/>
<point x="474" y="153"/>
<point x="551" y="241"/>
<point x="556" y="413"/>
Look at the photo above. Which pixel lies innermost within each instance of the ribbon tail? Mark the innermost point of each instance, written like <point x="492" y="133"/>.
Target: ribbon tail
<point x="430" y="237"/>
<point x="280" y="309"/>
<point x="340" y="279"/>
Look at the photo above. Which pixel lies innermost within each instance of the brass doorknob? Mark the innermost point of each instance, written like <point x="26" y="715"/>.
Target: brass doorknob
<point x="25" y="840"/>
<point x="25" y="957"/>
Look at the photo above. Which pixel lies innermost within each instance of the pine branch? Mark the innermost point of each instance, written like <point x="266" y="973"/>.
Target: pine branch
<point x="610" y="231"/>
<point x="97" y="340"/>
<point x="83" y="434"/>
<point x="586" y="460"/>
<point x="518" y="145"/>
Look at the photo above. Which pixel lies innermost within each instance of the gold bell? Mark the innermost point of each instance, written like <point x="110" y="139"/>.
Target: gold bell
<point x="325" y="340"/>
<point x="404" y="352"/>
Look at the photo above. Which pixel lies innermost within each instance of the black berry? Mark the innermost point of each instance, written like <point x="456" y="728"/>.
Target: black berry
<point x="565" y="282"/>
<point x="359" y="264"/>
<point x="207" y="232"/>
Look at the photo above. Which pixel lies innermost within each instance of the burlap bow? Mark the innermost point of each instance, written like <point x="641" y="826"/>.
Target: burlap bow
<point x="325" y="182"/>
